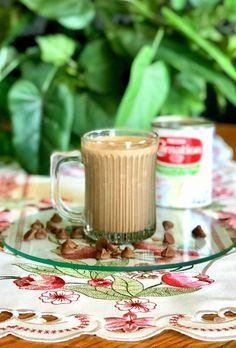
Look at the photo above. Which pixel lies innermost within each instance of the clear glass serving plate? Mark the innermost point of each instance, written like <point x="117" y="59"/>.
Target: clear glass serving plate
<point x="147" y="253"/>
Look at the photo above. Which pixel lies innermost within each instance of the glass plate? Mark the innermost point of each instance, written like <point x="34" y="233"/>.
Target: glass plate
<point x="188" y="250"/>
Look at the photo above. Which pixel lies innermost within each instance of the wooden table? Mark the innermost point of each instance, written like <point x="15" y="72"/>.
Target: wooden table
<point x="166" y="339"/>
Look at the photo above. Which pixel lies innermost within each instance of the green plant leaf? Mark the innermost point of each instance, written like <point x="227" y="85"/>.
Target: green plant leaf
<point x="36" y="72"/>
<point x="183" y="59"/>
<point x="127" y="287"/>
<point x="101" y="68"/>
<point x="178" y="4"/>
<point x="166" y="291"/>
<point x="48" y="118"/>
<point x="56" y="49"/>
<point x="74" y="14"/>
<point x="100" y="292"/>
<point x="216" y="54"/>
<point x="186" y="96"/>
<point x="90" y="114"/>
<point x="144" y="97"/>
<point x="9" y="59"/>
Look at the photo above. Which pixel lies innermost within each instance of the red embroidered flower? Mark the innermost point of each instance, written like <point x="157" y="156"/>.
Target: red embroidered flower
<point x="129" y="322"/>
<point x="100" y="282"/>
<point x="222" y="191"/>
<point x="144" y="274"/>
<point x="39" y="282"/>
<point x="7" y="185"/>
<point x="186" y="280"/>
<point x="135" y="305"/>
<point x="59" y="297"/>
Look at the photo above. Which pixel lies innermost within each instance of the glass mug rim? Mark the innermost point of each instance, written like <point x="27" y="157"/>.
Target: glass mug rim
<point x="92" y="136"/>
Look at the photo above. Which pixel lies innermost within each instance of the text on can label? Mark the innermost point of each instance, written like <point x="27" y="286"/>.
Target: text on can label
<point x="179" y="150"/>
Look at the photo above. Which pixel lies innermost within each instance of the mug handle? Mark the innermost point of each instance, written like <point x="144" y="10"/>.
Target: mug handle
<point x="57" y="159"/>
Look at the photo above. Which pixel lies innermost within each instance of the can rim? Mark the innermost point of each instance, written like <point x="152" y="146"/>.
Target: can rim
<point x="180" y="122"/>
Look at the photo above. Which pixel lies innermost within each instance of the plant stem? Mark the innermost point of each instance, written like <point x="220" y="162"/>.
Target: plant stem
<point x="49" y="79"/>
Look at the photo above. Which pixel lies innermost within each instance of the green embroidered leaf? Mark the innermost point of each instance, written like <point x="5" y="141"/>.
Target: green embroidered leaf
<point x="118" y="262"/>
<point x="127" y="286"/>
<point x="101" y="293"/>
<point x="166" y="291"/>
<point x="77" y="273"/>
<point x="38" y="269"/>
<point x="100" y="274"/>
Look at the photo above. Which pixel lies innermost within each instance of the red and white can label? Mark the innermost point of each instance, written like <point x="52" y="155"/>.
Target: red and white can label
<point x="179" y="150"/>
<point x="184" y="167"/>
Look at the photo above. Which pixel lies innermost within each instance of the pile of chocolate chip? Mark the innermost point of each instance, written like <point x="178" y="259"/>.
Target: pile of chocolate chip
<point x="39" y="231"/>
<point x="102" y="249"/>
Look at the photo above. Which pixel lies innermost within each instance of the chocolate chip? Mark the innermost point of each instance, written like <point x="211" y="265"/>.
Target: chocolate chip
<point x="77" y="232"/>
<point x="103" y="254"/>
<point x="41" y="234"/>
<point x="127" y="253"/>
<point x="102" y="243"/>
<point x="168" y="252"/>
<point x="198" y="232"/>
<point x="29" y="235"/>
<point x="167" y="225"/>
<point x="56" y="218"/>
<point x="61" y="233"/>
<point x="168" y="238"/>
<point x="37" y="225"/>
<point x="70" y="243"/>
<point x="51" y="227"/>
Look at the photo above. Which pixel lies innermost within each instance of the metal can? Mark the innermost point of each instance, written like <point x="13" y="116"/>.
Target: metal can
<point x="184" y="161"/>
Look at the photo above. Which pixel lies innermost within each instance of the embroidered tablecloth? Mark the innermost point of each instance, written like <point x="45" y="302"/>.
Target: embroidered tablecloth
<point x="52" y="304"/>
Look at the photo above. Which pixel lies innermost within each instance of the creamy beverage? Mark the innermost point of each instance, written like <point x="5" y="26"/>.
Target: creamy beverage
<point x="119" y="167"/>
<point x="120" y="185"/>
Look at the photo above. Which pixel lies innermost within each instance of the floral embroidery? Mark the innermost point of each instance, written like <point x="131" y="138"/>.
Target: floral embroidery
<point x="186" y="280"/>
<point x="144" y="274"/>
<point x="135" y="305"/>
<point x="129" y="322"/>
<point x="100" y="282"/>
<point x="59" y="297"/>
<point x="222" y="191"/>
<point x="39" y="282"/>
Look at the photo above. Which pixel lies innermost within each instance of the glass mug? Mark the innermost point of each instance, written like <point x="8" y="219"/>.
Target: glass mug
<point x="120" y="181"/>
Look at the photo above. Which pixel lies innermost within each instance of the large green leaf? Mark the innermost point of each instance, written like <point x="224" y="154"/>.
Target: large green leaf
<point x="144" y="97"/>
<point x="182" y="59"/>
<point x="187" y="95"/>
<point x="56" y="49"/>
<point x="101" y="68"/>
<point x="9" y="59"/>
<point x="100" y="292"/>
<point x="127" y="287"/>
<point x="36" y="72"/>
<point x="163" y="291"/>
<point x="90" y="113"/>
<point x="41" y="123"/>
<point x="182" y="25"/>
<point x="74" y="14"/>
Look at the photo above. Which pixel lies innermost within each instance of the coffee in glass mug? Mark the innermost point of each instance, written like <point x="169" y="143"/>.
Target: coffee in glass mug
<point x="119" y="168"/>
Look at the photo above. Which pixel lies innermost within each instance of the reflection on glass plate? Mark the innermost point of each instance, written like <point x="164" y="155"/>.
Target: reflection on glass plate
<point x="188" y="250"/>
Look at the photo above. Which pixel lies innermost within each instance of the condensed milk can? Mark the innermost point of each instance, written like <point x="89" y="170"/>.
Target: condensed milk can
<point x="184" y="161"/>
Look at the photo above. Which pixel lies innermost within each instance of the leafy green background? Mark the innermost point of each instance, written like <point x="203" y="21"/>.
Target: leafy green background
<point x="69" y="66"/>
